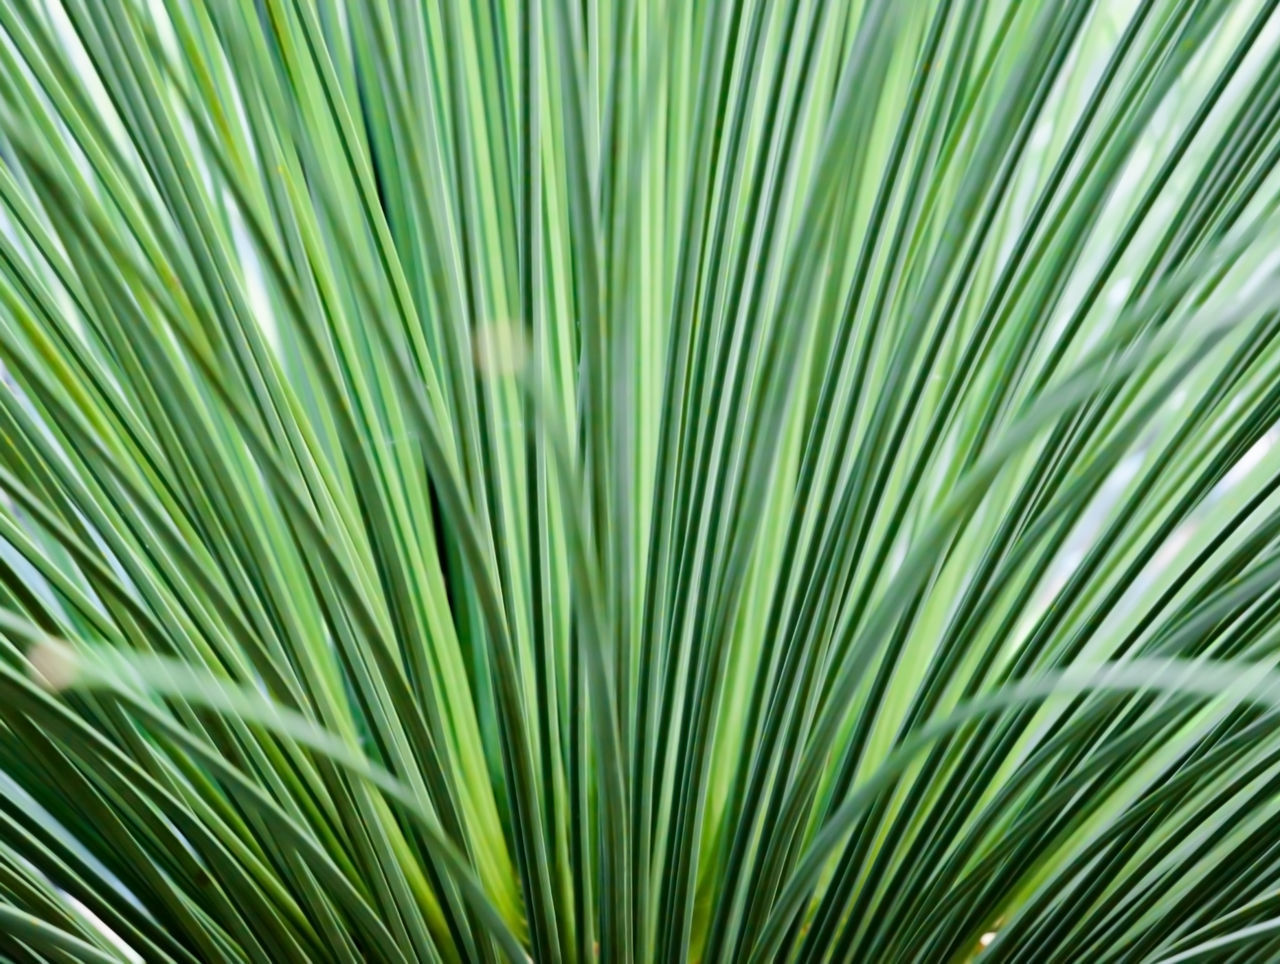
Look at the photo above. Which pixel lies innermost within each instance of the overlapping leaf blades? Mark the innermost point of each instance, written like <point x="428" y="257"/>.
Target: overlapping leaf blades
<point x="725" y="481"/>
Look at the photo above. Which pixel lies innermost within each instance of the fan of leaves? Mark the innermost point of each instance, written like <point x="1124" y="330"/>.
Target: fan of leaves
<point x="639" y="480"/>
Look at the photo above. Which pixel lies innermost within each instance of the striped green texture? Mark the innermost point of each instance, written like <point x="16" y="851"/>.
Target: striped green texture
<point x="639" y="481"/>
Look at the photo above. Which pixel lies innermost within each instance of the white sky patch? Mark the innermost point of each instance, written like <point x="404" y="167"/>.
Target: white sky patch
<point x="1119" y="291"/>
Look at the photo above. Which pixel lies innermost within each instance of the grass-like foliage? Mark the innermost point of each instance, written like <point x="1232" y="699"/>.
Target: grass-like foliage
<point x="639" y="481"/>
